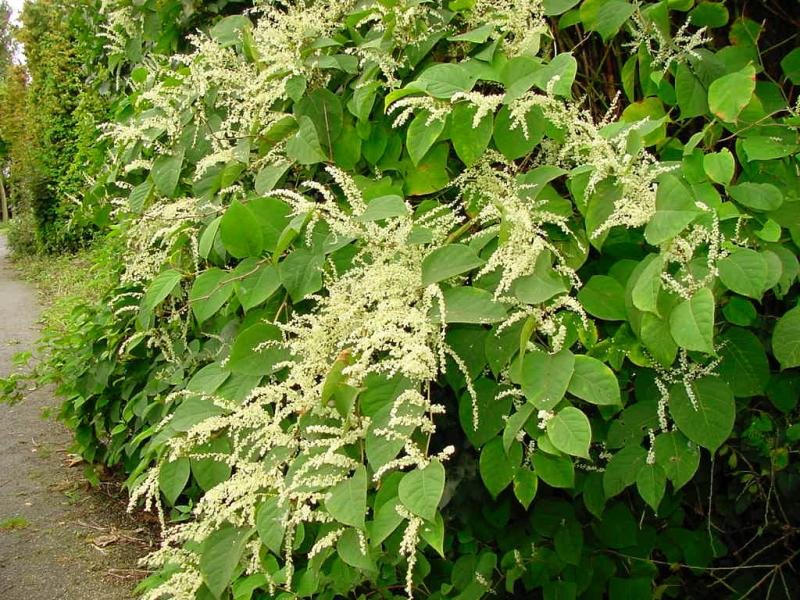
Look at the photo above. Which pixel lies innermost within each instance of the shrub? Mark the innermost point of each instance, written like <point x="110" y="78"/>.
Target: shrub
<point x="397" y="313"/>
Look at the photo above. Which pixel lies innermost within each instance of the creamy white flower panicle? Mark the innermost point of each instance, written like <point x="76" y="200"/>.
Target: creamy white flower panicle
<point x="519" y="23"/>
<point x="664" y="49"/>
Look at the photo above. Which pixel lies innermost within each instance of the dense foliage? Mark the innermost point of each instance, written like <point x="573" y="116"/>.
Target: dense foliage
<point x="409" y="300"/>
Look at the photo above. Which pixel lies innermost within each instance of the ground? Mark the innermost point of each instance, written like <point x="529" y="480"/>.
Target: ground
<point x="59" y="539"/>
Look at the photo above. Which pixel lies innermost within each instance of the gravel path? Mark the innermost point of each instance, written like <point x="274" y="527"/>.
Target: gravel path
<point x="59" y="540"/>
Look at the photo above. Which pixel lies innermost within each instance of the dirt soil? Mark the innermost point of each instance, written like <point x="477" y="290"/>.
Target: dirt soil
<point x="59" y="539"/>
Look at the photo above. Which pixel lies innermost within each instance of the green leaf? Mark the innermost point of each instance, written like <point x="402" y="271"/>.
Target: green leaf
<point x="568" y="544"/>
<point x="166" y="172"/>
<point x="677" y="456"/>
<point x="383" y="207"/>
<point x="709" y="14"/>
<point x="651" y="482"/>
<point x="511" y="141"/>
<point x="469" y="305"/>
<point x="708" y="421"/>
<point x="347" y="500"/>
<point x="421" y="490"/>
<point x="762" y="147"/>
<point x="544" y="377"/>
<point x="421" y="135"/>
<point x="594" y="382"/>
<point x="648" y="284"/>
<point x="496" y="467"/>
<point x="433" y="533"/>
<point x="565" y="67"/>
<point x="269" y="524"/>
<point x="445" y="79"/>
<point x="728" y="95"/>
<point x="301" y="273"/>
<point x="172" y="478"/>
<point x="515" y="423"/>
<point x="606" y="17"/>
<point x="250" y="356"/>
<point x="744" y="271"/>
<point x="623" y="469"/>
<point x="691" y="322"/>
<point x="557" y="7"/>
<point x="385" y="521"/>
<point x="761" y="197"/>
<point x="555" y="471"/>
<point x="690" y="93"/>
<point x="603" y="297"/>
<point x="469" y="142"/>
<point x="790" y="65"/>
<point x="239" y="231"/>
<point x="744" y="364"/>
<point x="268" y="177"/>
<point x="719" y="166"/>
<point x="160" y="288"/>
<point x="350" y="550"/>
<point x="209" y="292"/>
<point x="675" y="209"/>
<point x="570" y="432"/>
<point x="786" y="339"/>
<point x="526" y="483"/>
<point x="304" y="147"/>
<point x="260" y="283"/>
<point x="430" y="175"/>
<point x="447" y="261"/>
<point x="220" y="557"/>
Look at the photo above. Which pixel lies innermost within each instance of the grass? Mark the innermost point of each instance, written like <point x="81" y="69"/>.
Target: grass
<point x="62" y="282"/>
<point x="14" y="523"/>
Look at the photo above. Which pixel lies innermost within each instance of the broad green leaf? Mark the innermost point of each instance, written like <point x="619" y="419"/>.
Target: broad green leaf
<point x="268" y="176"/>
<point x="744" y="364"/>
<point x="790" y="65"/>
<point x="209" y="292"/>
<point x="762" y="147"/>
<point x="386" y="519"/>
<point x="258" y="283"/>
<point x="744" y="271"/>
<point x="719" y="166"/>
<point x="273" y="216"/>
<point x="324" y="109"/>
<point x="430" y="175"/>
<point x="304" y="147"/>
<point x="347" y="500"/>
<point x="675" y="209"/>
<point x="565" y="67"/>
<point x="469" y="142"/>
<point x="421" y="490"/>
<point x="526" y="483"/>
<point x="172" y="478"/>
<point x="544" y="377"/>
<point x="220" y="557"/>
<point x="433" y="533"/>
<point x="623" y="469"/>
<point x="208" y="237"/>
<point x="707" y="419"/>
<point x="447" y="261"/>
<point x="240" y="232"/>
<point x="648" y="284"/>
<point x="257" y="350"/>
<point x="691" y="322"/>
<point x="603" y="297"/>
<point x="208" y="379"/>
<point x="690" y="93"/>
<point x="166" y="172"/>
<point x="761" y="197"/>
<point x="594" y="382"/>
<point x="728" y="95"/>
<point x="383" y="207"/>
<point x="515" y="423"/>
<point x="570" y="431"/>
<point x="555" y="471"/>
<point x="491" y="412"/>
<point x="651" y="482"/>
<point x="557" y="7"/>
<point x="161" y="287"/>
<point x="301" y="273"/>
<point x="510" y="137"/>
<point x="469" y="305"/>
<point x="445" y="79"/>
<point x="421" y="135"/>
<point x="786" y="339"/>
<point x="677" y="456"/>
<point x="497" y="468"/>
<point x="568" y="544"/>
<point x="351" y="551"/>
<point x="606" y="17"/>
<point x="270" y="525"/>
<point x="709" y="14"/>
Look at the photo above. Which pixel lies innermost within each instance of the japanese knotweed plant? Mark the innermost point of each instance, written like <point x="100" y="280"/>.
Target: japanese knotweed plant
<point x="413" y="305"/>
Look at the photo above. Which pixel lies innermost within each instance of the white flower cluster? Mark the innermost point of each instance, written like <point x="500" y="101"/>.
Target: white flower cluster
<point x="664" y="49"/>
<point x="519" y="23"/>
<point x="684" y="373"/>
